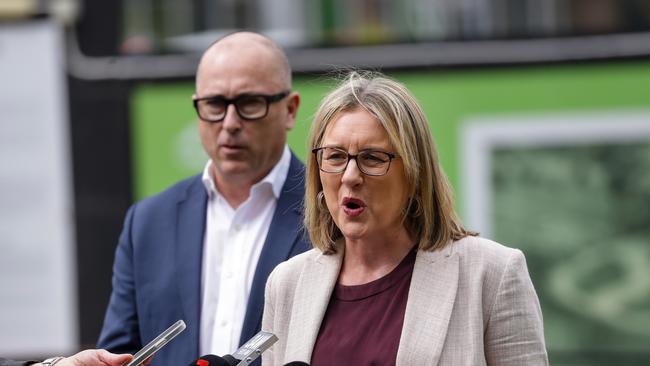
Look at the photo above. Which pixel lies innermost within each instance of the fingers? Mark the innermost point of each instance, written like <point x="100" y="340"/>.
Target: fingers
<point x="111" y="359"/>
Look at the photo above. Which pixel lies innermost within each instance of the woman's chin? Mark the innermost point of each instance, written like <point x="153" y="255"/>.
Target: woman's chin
<point x="354" y="231"/>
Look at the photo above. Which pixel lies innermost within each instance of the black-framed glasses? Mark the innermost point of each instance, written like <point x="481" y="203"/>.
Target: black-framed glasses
<point x="249" y="106"/>
<point x="369" y="162"/>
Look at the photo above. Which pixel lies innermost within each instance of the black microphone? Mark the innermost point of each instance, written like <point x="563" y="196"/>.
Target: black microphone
<point x="211" y="360"/>
<point x="231" y="360"/>
<point x="244" y="356"/>
<point x="228" y="360"/>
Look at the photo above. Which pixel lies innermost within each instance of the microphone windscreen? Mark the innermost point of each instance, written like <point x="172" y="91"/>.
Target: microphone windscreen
<point x="211" y="360"/>
<point x="231" y="360"/>
<point x="296" y="363"/>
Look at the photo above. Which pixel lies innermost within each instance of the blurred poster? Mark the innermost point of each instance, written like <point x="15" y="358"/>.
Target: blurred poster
<point x="37" y="276"/>
<point x="572" y="191"/>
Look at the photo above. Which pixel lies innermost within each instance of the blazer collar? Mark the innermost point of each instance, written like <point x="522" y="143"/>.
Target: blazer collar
<point x="431" y="298"/>
<point x="189" y="247"/>
<point x="312" y="296"/>
<point x="281" y="242"/>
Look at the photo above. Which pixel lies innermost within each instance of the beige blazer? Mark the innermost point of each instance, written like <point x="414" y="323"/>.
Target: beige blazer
<point x="471" y="303"/>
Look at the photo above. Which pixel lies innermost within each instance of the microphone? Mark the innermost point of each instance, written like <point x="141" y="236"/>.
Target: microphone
<point x="210" y="360"/>
<point x="231" y="360"/>
<point x="245" y="355"/>
<point x="253" y="348"/>
<point x="228" y="360"/>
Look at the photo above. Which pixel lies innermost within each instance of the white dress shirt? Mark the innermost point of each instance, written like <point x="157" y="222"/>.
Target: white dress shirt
<point x="232" y="245"/>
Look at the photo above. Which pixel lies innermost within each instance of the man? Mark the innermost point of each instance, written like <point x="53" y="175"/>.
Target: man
<point x="91" y="357"/>
<point x="201" y="251"/>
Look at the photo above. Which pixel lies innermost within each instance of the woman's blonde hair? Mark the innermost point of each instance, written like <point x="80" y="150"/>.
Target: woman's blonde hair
<point x="429" y="215"/>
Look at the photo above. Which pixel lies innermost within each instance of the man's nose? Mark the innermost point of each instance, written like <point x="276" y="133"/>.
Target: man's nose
<point x="231" y="121"/>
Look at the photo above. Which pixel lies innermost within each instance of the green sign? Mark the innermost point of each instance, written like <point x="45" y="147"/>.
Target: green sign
<point x="592" y="282"/>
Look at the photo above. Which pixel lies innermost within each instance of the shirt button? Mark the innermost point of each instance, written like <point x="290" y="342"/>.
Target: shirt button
<point x="223" y="323"/>
<point x="237" y="227"/>
<point x="228" y="275"/>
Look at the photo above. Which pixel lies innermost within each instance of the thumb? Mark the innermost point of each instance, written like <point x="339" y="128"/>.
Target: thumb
<point x="112" y="359"/>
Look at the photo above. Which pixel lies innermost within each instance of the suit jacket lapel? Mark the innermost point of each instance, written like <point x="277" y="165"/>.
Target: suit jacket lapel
<point x="279" y="245"/>
<point x="431" y="298"/>
<point x="311" y="298"/>
<point x="189" y="247"/>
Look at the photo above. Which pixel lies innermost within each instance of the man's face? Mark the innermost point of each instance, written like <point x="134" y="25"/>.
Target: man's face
<point x="244" y="151"/>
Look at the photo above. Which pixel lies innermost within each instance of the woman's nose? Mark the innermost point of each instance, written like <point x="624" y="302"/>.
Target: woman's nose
<point x="352" y="175"/>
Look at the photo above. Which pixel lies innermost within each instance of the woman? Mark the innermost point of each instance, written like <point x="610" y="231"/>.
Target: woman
<point x="394" y="277"/>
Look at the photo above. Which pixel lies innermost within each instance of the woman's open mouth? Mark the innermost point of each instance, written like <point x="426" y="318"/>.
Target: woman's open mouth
<point x="353" y="206"/>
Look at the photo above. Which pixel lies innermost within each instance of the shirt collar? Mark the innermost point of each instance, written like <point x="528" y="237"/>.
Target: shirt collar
<point x="275" y="179"/>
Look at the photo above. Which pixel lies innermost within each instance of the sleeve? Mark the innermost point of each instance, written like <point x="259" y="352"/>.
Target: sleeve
<point x="5" y="362"/>
<point x="120" y="332"/>
<point x="267" y="319"/>
<point x="515" y="332"/>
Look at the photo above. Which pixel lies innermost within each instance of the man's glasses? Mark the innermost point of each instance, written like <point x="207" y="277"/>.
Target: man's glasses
<point x="369" y="162"/>
<point x="249" y="106"/>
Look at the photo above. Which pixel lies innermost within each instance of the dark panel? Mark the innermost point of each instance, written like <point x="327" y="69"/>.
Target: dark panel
<point x="99" y="117"/>
<point x="99" y="27"/>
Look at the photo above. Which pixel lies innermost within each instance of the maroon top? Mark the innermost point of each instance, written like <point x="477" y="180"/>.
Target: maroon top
<point x="363" y="324"/>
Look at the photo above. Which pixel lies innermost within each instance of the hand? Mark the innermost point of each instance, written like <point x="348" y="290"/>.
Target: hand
<point x="95" y="357"/>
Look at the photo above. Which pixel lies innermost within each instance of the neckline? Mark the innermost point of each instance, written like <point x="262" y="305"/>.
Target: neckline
<point x="375" y="287"/>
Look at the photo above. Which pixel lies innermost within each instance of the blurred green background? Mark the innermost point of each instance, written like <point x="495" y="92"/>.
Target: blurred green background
<point x="166" y="145"/>
<point x="580" y="213"/>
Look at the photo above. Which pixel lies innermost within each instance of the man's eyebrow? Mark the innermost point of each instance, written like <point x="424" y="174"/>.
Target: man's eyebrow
<point x="221" y="96"/>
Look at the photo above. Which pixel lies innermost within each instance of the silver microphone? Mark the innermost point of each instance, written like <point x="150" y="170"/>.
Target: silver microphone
<point x="253" y="348"/>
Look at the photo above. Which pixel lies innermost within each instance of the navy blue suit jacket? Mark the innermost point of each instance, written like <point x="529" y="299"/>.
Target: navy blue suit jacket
<point x="5" y="362"/>
<point x="157" y="269"/>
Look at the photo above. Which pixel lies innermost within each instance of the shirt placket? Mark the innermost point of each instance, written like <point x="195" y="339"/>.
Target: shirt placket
<point x="229" y="292"/>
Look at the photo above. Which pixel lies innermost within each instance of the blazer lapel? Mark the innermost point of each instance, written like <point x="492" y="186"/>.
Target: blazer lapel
<point x="189" y="246"/>
<point x="312" y="296"/>
<point x="431" y="298"/>
<point x="279" y="245"/>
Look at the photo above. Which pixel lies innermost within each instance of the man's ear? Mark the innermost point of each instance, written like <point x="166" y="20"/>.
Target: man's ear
<point x="293" y="102"/>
